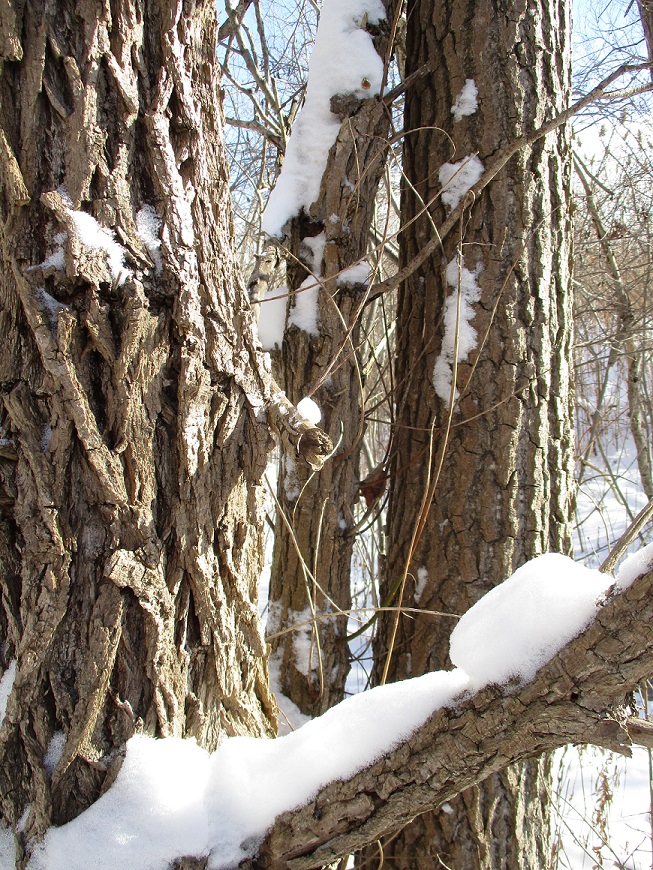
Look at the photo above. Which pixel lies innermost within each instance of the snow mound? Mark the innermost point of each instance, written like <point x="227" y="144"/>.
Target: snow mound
<point x="520" y="624"/>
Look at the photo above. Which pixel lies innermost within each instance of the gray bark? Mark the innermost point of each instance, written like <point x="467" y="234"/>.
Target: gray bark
<point x="134" y="432"/>
<point x="313" y="545"/>
<point x="475" y="496"/>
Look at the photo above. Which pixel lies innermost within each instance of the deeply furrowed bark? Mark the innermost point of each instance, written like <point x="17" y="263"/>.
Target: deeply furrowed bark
<point x="134" y="437"/>
<point x="310" y="576"/>
<point x="575" y="698"/>
<point x="504" y="491"/>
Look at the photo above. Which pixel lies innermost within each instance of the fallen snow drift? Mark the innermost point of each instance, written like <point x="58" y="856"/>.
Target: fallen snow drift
<point x="172" y="798"/>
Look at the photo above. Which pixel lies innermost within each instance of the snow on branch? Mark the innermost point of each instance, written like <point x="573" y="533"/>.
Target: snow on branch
<point x="562" y="646"/>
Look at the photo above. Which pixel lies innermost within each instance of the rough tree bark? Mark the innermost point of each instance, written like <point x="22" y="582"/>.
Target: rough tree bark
<point x="476" y="499"/>
<point x="310" y="576"/>
<point x="133" y="417"/>
<point x="575" y="698"/>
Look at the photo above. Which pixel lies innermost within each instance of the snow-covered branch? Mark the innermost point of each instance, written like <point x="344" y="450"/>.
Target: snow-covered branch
<point x="575" y="698"/>
<point x="375" y="761"/>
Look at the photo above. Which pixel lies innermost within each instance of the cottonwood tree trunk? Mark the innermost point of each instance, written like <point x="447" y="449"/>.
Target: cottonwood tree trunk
<point x="313" y="542"/>
<point x="471" y="502"/>
<point x="133" y="428"/>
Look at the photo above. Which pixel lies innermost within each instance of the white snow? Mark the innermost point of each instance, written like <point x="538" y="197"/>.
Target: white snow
<point x="464" y="282"/>
<point x="272" y="318"/>
<point x="290" y="480"/>
<point x="22" y="821"/>
<point x="420" y="585"/>
<point x="96" y="237"/>
<point x="51" y="306"/>
<point x="148" y="227"/>
<point x="357" y="274"/>
<point x="6" y="685"/>
<point x="309" y="410"/>
<point x="7" y="849"/>
<point x="304" y="313"/>
<point x="344" y="61"/>
<point x="172" y="798"/>
<point x="313" y="252"/>
<point x="633" y="566"/>
<point x="466" y="102"/>
<point x="54" y="751"/>
<point x="457" y="178"/>
<point x="516" y="628"/>
<point x="56" y="260"/>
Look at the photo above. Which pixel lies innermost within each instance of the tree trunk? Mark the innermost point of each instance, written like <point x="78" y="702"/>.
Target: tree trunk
<point x="476" y="495"/>
<point x="313" y="542"/>
<point x="134" y="437"/>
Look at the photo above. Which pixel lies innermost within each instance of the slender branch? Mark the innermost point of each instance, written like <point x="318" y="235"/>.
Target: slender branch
<point x="627" y="538"/>
<point x="494" y="167"/>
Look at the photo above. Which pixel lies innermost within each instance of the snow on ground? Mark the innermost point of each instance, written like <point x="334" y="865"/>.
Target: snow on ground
<point x="611" y="494"/>
<point x="587" y="775"/>
<point x="344" y="61"/>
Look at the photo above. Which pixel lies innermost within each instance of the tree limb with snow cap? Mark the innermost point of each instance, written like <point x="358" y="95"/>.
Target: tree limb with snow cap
<point x="535" y="670"/>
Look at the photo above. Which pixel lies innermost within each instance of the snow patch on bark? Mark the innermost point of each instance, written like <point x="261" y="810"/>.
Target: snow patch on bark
<point x="96" y="237"/>
<point x="148" y="227"/>
<point x="272" y="311"/>
<point x="457" y="178"/>
<point x="356" y="274"/>
<point x="54" y="751"/>
<point x="6" y="685"/>
<point x="457" y="321"/>
<point x="466" y="102"/>
<point x="304" y="312"/>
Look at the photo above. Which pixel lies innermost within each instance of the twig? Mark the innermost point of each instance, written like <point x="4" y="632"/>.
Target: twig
<point x="627" y="538"/>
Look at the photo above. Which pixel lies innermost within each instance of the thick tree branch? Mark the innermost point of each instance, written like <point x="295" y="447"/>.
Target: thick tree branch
<point x="576" y="698"/>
